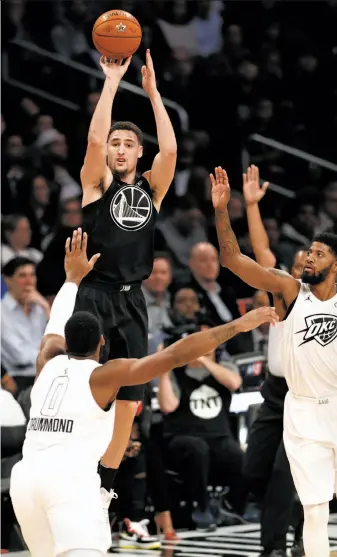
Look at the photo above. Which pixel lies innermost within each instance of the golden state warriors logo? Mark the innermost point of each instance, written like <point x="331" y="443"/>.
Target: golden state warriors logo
<point x="131" y="208"/>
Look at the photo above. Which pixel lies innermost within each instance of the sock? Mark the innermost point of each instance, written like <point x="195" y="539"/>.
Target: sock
<point x="107" y="476"/>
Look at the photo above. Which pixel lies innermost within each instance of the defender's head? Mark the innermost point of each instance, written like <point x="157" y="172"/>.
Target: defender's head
<point x="125" y="147"/>
<point x="83" y="336"/>
<point x="321" y="261"/>
<point x="300" y="258"/>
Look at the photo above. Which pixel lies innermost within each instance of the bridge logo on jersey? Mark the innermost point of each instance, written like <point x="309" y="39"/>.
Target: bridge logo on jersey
<point x="321" y="327"/>
<point x="131" y="208"/>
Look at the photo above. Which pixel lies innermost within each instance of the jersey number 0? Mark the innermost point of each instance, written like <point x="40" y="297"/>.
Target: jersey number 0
<point x="55" y="396"/>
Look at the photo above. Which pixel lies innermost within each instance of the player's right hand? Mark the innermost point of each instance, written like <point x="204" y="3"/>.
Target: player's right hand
<point x="256" y="317"/>
<point x="221" y="191"/>
<point x="114" y="69"/>
<point x="76" y="264"/>
<point x="251" y="186"/>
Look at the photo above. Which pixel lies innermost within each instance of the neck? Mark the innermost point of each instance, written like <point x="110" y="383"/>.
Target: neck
<point x="16" y="246"/>
<point x="207" y="284"/>
<point x="128" y="178"/>
<point x="324" y="291"/>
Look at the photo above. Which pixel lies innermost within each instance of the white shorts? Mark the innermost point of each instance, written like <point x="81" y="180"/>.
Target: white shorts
<point x="58" y="512"/>
<point x="310" y="440"/>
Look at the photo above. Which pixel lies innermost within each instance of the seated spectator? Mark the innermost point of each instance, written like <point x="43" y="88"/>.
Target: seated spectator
<point x="156" y="293"/>
<point x="196" y="400"/>
<point x="24" y="315"/>
<point x="179" y="232"/>
<point x="50" y="271"/>
<point x="327" y="215"/>
<point x="17" y="236"/>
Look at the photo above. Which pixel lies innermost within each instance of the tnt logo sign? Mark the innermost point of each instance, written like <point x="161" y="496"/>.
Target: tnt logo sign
<point x="322" y="328"/>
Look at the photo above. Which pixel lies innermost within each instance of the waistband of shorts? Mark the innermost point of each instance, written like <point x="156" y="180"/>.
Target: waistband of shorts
<point x="315" y="400"/>
<point x="111" y="287"/>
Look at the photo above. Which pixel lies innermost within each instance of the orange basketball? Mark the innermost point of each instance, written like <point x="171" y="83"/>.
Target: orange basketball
<point x="116" y="34"/>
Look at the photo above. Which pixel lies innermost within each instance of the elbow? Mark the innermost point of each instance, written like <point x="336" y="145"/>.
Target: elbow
<point x="170" y="152"/>
<point x="95" y="139"/>
<point x="168" y="406"/>
<point x="236" y="383"/>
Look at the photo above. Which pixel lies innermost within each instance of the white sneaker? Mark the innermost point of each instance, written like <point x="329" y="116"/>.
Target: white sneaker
<point x="107" y="497"/>
<point x="135" y="535"/>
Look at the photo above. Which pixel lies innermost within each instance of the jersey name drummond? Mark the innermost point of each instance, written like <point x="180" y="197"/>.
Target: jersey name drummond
<point x="131" y="208"/>
<point x="54" y="425"/>
<point x="321" y="327"/>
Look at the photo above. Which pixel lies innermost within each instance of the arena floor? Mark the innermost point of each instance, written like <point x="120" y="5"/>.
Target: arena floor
<point x="234" y="541"/>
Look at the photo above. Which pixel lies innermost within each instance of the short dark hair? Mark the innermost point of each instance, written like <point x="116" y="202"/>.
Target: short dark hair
<point x="13" y="265"/>
<point x="329" y="239"/>
<point x="10" y="222"/>
<point x="82" y="333"/>
<point x="128" y="126"/>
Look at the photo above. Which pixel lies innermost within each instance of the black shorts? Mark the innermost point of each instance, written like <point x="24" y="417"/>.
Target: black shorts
<point x="124" y="322"/>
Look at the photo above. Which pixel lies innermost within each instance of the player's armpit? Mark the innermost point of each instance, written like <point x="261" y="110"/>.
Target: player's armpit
<point x="161" y="175"/>
<point x="51" y="346"/>
<point x="94" y="168"/>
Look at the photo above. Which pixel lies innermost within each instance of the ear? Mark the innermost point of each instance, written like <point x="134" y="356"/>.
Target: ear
<point x="140" y="151"/>
<point x="102" y="340"/>
<point x="7" y="281"/>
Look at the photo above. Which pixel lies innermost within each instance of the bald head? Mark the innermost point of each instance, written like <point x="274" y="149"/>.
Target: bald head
<point x="204" y="262"/>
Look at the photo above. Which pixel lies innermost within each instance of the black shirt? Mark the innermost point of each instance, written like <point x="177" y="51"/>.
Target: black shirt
<point x="120" y="226"/>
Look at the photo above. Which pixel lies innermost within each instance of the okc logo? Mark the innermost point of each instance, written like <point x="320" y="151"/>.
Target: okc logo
<point x="131" y="208"/>
<point x="322" y="328"/>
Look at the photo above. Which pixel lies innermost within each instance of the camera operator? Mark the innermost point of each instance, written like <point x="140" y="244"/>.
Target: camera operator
<point x="195" y="401"/>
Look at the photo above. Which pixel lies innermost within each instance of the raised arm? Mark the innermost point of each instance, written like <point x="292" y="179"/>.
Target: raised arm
<point x="162" y="172"/>
<point x="230" y="255"/>
<point x="76" y="266"/>
<point x="95" y="169"/>
<point x="258" y="235"/>
<point x="115" y="374"/>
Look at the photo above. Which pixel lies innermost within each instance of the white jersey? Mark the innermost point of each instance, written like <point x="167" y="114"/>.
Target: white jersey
<point x="275" y="349"/>
<point x="66" y="425"/>
<point x="309" y="353"/>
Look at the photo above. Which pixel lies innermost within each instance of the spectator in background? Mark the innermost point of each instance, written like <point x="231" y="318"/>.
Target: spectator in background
<point x="298" y="227"/>
<point x="236" y="206"/>
<point x="24" y="315"/>
<point x="196" y="400"/>
<point x="327" y="216"/>
<point x="13" y="169"/>
<point x="179" y="232"/>
<point x="50" y="271"/>
<point x="208" y="27"/>
<point x="41" y="209"/>
<point x="17" y="236"/>
<point x="156" y="294"/>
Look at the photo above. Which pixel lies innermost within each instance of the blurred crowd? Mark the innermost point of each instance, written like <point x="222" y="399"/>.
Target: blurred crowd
<point x="237" y="68"/>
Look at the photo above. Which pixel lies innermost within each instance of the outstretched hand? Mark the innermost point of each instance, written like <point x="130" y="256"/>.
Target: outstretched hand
<point x="252" y="191"/>
<point x="221" y="191"/>
<point x="76" y="264"/>
<point x="256" y="317"/>
<point x="114" y="69"/>
<point x="148" y="75"/>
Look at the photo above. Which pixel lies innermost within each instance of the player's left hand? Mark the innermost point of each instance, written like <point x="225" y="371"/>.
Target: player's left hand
<point x="221" y="191"/>
<point x="76" y="264"/>
<point x="149" y="77"/>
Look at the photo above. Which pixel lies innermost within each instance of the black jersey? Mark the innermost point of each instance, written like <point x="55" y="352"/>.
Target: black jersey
<point x="120" y="226"/>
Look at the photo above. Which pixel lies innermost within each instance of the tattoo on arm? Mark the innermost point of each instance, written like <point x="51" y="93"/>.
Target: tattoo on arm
<point x="223" y="334"/>
<point x="226" y="237"/>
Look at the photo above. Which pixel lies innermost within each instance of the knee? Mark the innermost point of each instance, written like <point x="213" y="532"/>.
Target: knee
<point x="196" y="447"/>
<point x="316" y="514"/>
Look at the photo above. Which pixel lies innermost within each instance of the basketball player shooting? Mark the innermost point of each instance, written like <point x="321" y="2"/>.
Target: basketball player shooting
<point x="55" y="488"/>
<point x="309" y="356"/>
<point x="119" y="213"/>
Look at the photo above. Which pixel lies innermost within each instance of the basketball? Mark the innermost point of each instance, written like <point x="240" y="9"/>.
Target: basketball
<point x="116" y="34"/>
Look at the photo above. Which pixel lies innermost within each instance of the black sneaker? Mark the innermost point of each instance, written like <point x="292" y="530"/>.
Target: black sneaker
<point x="204" y="520"/>
<point x="297" y="549"/>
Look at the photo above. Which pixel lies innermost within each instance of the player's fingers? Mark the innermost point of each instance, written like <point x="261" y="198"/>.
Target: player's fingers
<point x="84" y="242"/>
<point x="244" y="179"/>
<point x="73" y="241"/>
<point x="93" y="260"/>
<point x="67" y="246"/>
<point x="265" y="186"/>
<point x="79" y="239"/>
<point x="149" y="62"/>
<point x="143" y="71"/>
<point x="249" y="173"/>
<point x="217" y="175"/>
<point x="212" y="180"/>
<point x="224" y="176"/>
<point x="127" y="62"/>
